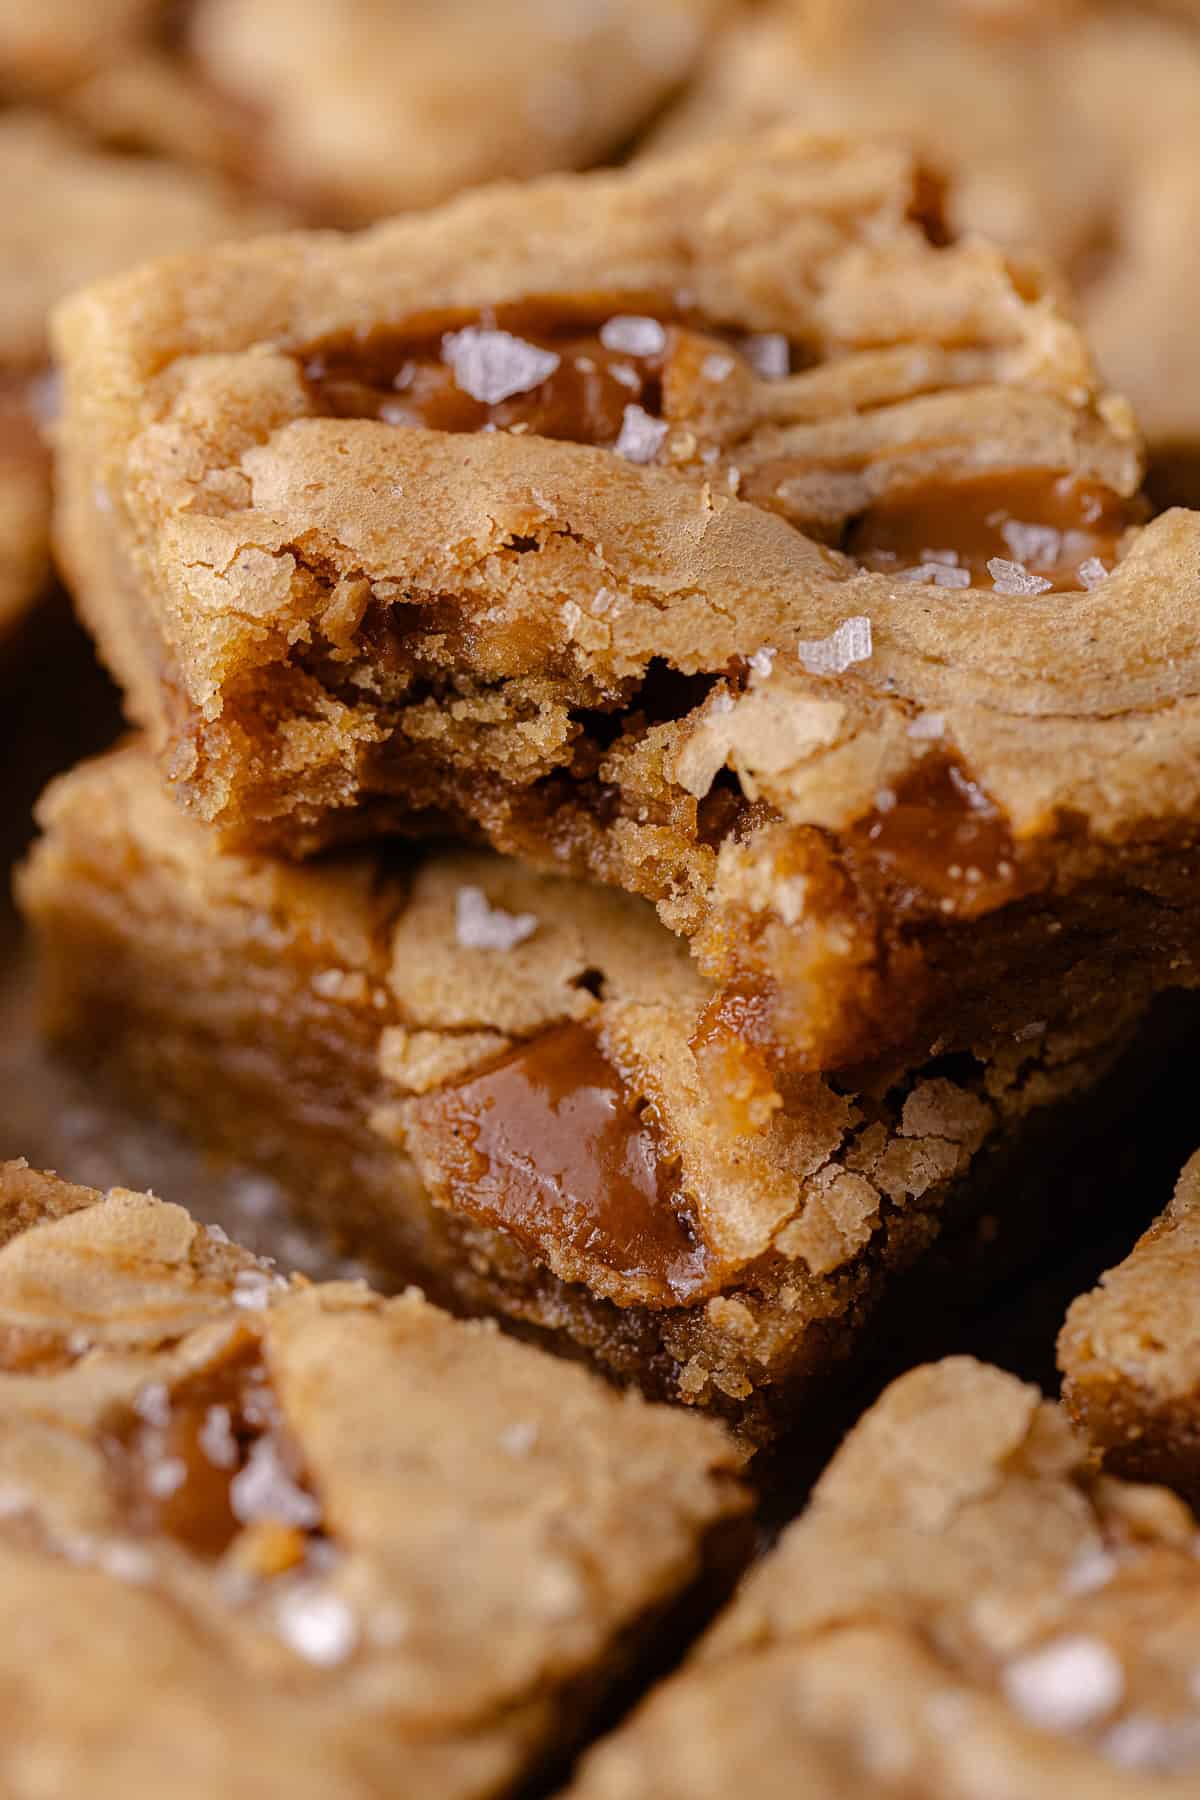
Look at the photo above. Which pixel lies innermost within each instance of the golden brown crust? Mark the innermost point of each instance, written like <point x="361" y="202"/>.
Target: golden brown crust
<point x="404" y="1494"/>
<point x="1130" y="1351"/>
<point x="964" y="1613"/>
<point x="1033" y="108"/>
<point x="446" y="628"/>
<point x="402" y="1040"/>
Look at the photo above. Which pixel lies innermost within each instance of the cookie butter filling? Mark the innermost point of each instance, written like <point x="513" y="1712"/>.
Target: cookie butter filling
<point x="549" y="1145"/>
<point x="1024" y="531"/>
<point x="204" y="1459"/>
<point x="585" y="374"/>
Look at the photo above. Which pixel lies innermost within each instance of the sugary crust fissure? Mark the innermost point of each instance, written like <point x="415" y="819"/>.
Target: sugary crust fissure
<point x="337" y="626"/>
<point x="343" y="1023"/>
<point x="964" y="1611"/>
<point x="1029" y="106"/>
<point x="356" y="111"/>
<point x="426" y="1490"/>
<point x="1129" y="1351"/>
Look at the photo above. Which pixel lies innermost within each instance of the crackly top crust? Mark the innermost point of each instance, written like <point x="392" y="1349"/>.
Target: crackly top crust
<point x="1130" y="1350"/>
<point x="964" y="1613"/>
<point x="461" y="1027"/>
<point x="357" y="108"/>
<point x="1041" y="109"/>
<point x="424" y="1533"/>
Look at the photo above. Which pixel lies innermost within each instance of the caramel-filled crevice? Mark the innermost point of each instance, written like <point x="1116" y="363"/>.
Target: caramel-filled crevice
<point x="939" y="834"/>
<point x="549" y="1145"/>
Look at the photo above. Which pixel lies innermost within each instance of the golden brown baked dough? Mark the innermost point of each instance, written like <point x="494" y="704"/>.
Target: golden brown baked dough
<point x="1069" y="124"/>
<point x="964" y="1613"/>
<point x="71" y="215"/>
<point x="258" y="1536"/>
<point x="884" y="809"/>
<point x="484" y="1076"/>
<point x="1130" y="1351"/>
<point x="359" y="108"/>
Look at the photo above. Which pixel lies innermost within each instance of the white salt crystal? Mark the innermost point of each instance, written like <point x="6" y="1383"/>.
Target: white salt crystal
<point x="1093" y="572"/>
<point x="478" y="925"/>
<point x="1014" y="578"/>
<point x="153" y="1403"/>
<point x="493" y="365"/>
<point x="635" y="335"/>
<point x="125" y="1562"/>
<point x="1032" y="543"/>
<point x="1094" y="1569"/>
<point x="1067" y="1684"/>
<point x="833" y="655"/>
<point x="940" y="573"/>
<point x="217" y="1234"/>
<point x="768" y="354"/>
<point x="1161" y="1745"/>
<point x="252" y="1289"/>
<point x="641" y="436"/>
<point x="264" y="1489"/>
<point x="928" y="725"/>
<point x="216" y="1438"/>
<point x="717" y="367"/>
<point x="319" y="1626"/>
<point x="762" y="662"/>
<point x="166" y="1477"/>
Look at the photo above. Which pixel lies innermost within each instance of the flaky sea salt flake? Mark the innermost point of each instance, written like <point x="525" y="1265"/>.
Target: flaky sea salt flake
<point x="318" y="1626"/>
<point x="768" y="354"/>
<point x="1093" y="572"/>
<point x="762" y="662"/>
<point x="478" y="925"/>
<point x="1015" y="578"/>
<point x="850" y="643"/>
<point x="641" y="436"/>
<point x="634" y="335"/>
<point x="939" y="573"/>
<point x="265" y="1490"/>
<point x="494" y="365"/>
<point x="1066" y="1684"/>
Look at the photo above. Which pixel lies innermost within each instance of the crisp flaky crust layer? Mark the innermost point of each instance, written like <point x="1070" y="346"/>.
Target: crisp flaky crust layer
<point x="262" y="1536"/>
<point x="964" y="1613"/>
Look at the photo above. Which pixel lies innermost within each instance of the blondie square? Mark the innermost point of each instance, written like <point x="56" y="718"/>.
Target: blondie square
<point x="72" y="213"/>
<point x="1130" y="1351"/>
<point x="352" y="109"/>
<point x="834" y="636"/>
<point x="484" y="1077"/>
<point x="1071" y="125"/>
<point x="259" y="1536"/>
<point x="965" y="1612"/>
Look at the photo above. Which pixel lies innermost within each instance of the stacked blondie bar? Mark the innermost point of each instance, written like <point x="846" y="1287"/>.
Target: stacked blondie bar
<point x="664" y="769"/>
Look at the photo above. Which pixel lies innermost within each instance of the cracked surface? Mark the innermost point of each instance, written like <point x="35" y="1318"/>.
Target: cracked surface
<point x="1130" y="1351"/>
<point x="500" y="1095"/>
<point x="1041" y="112"/>
<point x="356" y="109"/>
<point x="462" y="1492"/>
<point x="336" y="626"/>
<point x="963" y="1613"/>
<point x="72" y="215"/>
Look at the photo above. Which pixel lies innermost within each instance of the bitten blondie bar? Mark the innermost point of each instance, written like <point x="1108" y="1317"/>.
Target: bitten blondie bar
<point x="324" y="513"/>
<point x="1130" y="1351"/>
<point x="354" y="109"/>
<point x="964" y="1613"/>
<point x="1043" y="110"/>
<point x="71" y="214"/>
<point x="485" y="1075"/>
<point x="258" y="1536"/>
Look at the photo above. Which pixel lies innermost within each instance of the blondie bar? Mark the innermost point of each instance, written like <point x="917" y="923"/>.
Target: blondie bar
<point x="964" y="1613"/>
<point x="835" y="636"/>
<point x="486" y="1076"/>
<point x="71" y="214"/>
<point x="1071" y="125"/>
<point x="259" y="1536"/>
<point x="1130" y="1351"/>
<point x="351" y="109"/>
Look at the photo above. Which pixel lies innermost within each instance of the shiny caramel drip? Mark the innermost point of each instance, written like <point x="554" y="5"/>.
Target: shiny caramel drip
<point x="409" y="375"/>
<point x="547" y="1146"/>
<point x="1049" y="524"/>
<point x="736" y="1045"/>
<point x="939" y="832"/>
<point x="173" y="1478"/>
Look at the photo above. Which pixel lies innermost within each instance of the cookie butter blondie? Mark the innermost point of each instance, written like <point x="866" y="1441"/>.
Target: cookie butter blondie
<point x="713" y="530"/>
<point x="354" y="109"/>
<point x="487" y="1076"/>
<point x="965" y="1612"/>
<point x="1071" y="125"/>
<point x="1130" y="1351"/>
<point x="71" y="214"/>
<point x="259" y="1536"/>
